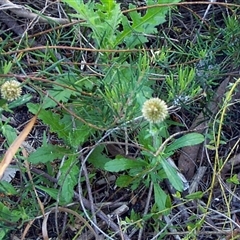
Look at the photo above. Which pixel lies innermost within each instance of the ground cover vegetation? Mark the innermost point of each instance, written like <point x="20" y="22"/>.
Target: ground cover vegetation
<point x="119" y="120"/>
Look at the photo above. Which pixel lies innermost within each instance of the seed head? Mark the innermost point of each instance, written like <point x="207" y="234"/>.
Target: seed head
<point x="11" y="90"/>
<point x="154" y="110"/>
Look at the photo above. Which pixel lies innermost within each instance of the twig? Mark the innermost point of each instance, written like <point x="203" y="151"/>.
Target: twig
<point x="64" y="209"/>
<point x="90" y="195"/>
<point x="171" y="227"/>
<point x="188" y="158"/>
<point x="21" y="11"/>
<point x="197" y="178"/>
<point x="146" y="208"/>
<point x="203" y="19"/>
<point x="231" y="163"/>
<point x="87" y="204"/>
<point x="165" y="227"/>
<point x="11" y="23"/>
<point x="179" y="202"/>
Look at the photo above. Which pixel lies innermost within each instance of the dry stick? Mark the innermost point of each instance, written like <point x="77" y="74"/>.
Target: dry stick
<point x="171" y="227"/>
<point x="188" y="158"/>
<point x="101" y="214"/>
<point x="146" y="208"/>
<point x="225" y="216"/>
<point x="60" y="189"/>
<point x="69" y="111"/>
<point x="197" y="178"/>
<point x="169" y="221"/>
<point x="85" y="202"/>
<point x="179" y="202"/>
<point x="231" y="163"/>
<point x="15" y="27"/>
<point x="21" y="11"/>
<point x="203" y="19"/>
<point x="64" y="209"/>
<point x="228" y="189"/>
<point x="11" y="23"/>
<point x="227" y="5"/>
<point x="25" y="154"/>
<point x="90" y="204"/>
<point x="204" y="233"/>
<point x="31" y="49"/>
<point x="81" y="199"/>
<point x="90" y="195"/>
<point x="30" y="223"/>
<point x="32" y="183"/>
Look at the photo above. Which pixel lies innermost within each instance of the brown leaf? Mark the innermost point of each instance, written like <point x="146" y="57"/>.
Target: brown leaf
<point x="15" y="146"/>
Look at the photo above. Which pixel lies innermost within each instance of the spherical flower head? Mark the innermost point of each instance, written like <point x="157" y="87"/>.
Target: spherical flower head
<point x="154" y="110"/>
<point x="11" y="90"/>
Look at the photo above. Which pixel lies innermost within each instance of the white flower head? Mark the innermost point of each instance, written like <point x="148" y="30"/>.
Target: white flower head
<point x="155" y="110"/>
<point x="11" y="90"/>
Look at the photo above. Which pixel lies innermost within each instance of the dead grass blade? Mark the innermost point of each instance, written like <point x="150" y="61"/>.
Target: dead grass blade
<point x="63" y="209"/>
<point x="15" y="146"/>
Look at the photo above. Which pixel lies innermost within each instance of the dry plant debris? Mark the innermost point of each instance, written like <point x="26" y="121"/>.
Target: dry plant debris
<point x="46" y="46"/>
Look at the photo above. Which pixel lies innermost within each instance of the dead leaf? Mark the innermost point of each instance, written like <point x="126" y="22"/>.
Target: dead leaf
<point x="15" y="146"/>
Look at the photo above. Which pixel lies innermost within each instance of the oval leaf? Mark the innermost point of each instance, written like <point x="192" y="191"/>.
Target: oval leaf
<point x="122" y="164"/>
<point x="189" y="139"/>
<point x="172" y="175"/>
<point x="195" y="195"/>
<point x="123" y="181"/>
<point x="47" y="153"/>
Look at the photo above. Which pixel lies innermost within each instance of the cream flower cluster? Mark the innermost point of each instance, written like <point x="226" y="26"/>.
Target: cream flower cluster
<point x="11" y="90"/>
<point x="155" y="110"/>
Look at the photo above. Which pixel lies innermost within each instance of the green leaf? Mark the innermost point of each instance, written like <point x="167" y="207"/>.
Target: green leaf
<point x="172" y="176"/>
<point x="20" y="101"/>
<point x="98" y="159"/>
<point x="68" y="179"/>
<point x="3" y="104"/>
<point x="195" y="195"/>
<point x="210" y="147"/>
<point x="102" y="18"/>
<point x="10" y="133"/>
<point x="107" y="5"/>
<point x="160" y="197"/>
<point x="7" y="214"/>
<point x="59" y="94"/>
<point x="7" y="188"/>
<point x="234" y="179"/>
<point x="122" y="164"/>
<point x="3" y="233"/>
<point x="48" y="153"/>
<point x="7" y="67"/>
<point x="110" y="16"/>
<point x="51" y="119"/>
<point x="189" y="139"/>
<point x="145" y="24"/>
<point x="148" y="216"/>
<point x="52" y="192"/>
<point x="79" y="135"/>
<point x="124" y="181"/>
